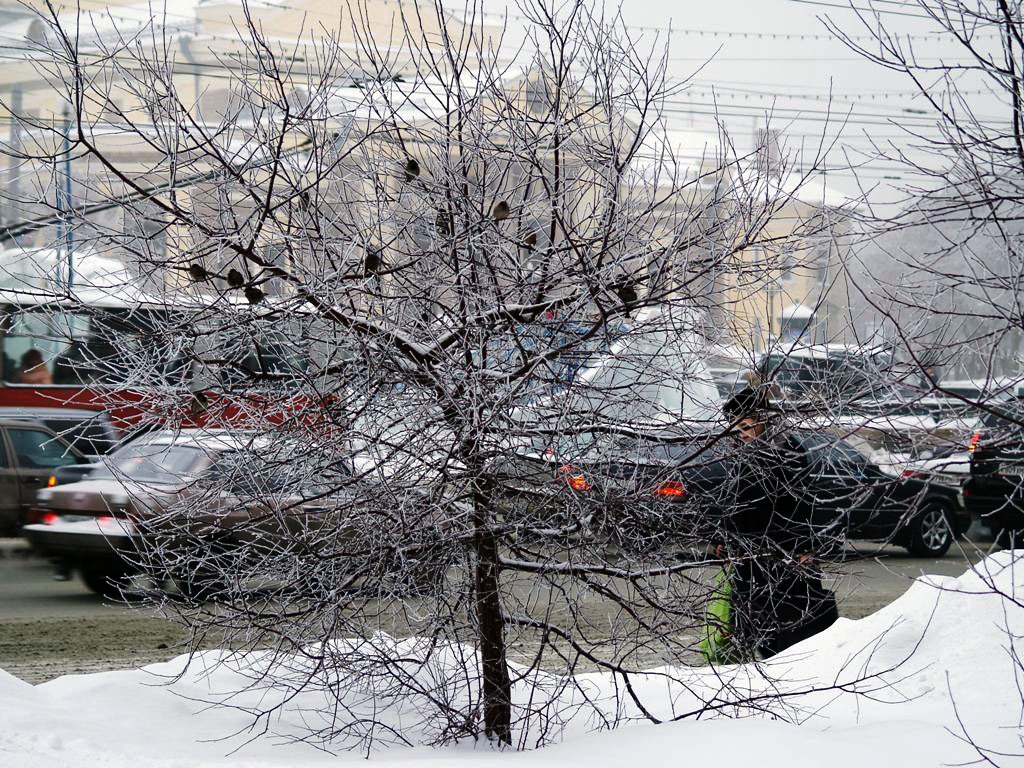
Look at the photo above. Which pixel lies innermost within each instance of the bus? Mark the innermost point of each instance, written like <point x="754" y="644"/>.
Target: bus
<point x="107" y="345"/>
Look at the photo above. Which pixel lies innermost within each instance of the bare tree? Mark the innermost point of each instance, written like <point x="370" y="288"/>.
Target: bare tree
<point x="449" y="304"/>
<point x="959" y="262"/>
<point x="945" y="271"/>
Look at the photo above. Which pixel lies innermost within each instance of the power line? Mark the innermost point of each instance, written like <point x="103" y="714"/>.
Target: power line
<point x="219" y="71"/>
<point x="740" y="34"/>
<point x="863" y="9"/>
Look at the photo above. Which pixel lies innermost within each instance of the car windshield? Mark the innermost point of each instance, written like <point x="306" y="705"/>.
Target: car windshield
<point x="158" y="463"/>
<point x="832" y="450"/>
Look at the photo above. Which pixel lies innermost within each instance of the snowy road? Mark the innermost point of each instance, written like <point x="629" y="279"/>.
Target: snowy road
<point x="49" y="628"/>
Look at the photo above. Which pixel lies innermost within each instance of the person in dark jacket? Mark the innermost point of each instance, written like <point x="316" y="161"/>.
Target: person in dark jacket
<point x="778" y="598"/>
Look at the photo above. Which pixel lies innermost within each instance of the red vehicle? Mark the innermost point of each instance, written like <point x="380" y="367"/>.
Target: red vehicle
<point x="86" y="354"/>
<point x="58" y="353"/>
<point x="109" y="349"/>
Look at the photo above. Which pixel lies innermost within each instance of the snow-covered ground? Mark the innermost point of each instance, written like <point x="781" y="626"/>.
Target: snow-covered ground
<point x="957" y="633"/>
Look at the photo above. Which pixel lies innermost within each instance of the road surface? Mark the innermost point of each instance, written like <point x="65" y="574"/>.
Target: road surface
<point x="50" y="628"/>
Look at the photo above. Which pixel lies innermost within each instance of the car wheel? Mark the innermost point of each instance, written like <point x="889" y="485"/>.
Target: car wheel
<point x="106" y="582"/>
<point x="931" y="533"/>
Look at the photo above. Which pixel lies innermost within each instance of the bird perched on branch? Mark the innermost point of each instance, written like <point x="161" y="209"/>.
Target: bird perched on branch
<point x="372" y="262"/>
<point x="198" y="273"/>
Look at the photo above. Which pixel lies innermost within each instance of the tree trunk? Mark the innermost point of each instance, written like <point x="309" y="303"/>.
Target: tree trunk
<point x="496" y="684"/>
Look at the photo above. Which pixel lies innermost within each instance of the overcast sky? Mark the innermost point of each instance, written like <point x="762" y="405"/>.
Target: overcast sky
<point x="753" y="58"/>
<point x="777" y="54"/>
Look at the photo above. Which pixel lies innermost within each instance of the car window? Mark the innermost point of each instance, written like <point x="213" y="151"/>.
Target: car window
<point x="90" y="436"/>
<point x="5" y="462"/>
<point x="251" y="474"/>
<point x="838" y="375"/>
<point x="831" y="454"/>
<point x="248" y="475"/>
<point x="36" y="449"/>
<point x="658" y="375"/>
<point x="815" y="447"/>
<point x="845" y="456"/>
<point x="152" y="462"/>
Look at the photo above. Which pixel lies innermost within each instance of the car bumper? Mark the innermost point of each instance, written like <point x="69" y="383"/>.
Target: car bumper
<point x="83" y="541"/>
<point x="997" y="500"/>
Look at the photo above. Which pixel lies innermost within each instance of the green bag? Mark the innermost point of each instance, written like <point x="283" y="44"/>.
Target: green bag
<point x="716" y="639"/>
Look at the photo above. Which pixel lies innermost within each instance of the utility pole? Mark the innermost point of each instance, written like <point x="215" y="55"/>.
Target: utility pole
<point x="13" y="185"/>
<point x="69" y="233"/>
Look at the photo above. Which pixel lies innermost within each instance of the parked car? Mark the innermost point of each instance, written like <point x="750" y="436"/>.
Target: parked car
<point x="29" y="452"/>
<point x="913" y="511"/>
<point x="90" y="433"/>
<point x="187" y="507"/>
<point x="668" y="486"/>
<point x="931" y="456"/>
<point x="995" y="489"/>
<point x="852" y="377"/>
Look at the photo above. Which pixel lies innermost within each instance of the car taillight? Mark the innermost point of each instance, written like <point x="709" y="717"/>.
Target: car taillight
<point x="973" y="442"/>
<point x="578" y="483"/>
<point x="35" y="515"/>
<point x="912" y="473"/>
<point x="669" y="489"/>
<point x="573" y="479"/>
<point x="49" y="517"/>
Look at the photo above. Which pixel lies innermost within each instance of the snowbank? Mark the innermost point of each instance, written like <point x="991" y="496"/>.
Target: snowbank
<point x="941" y="653"/>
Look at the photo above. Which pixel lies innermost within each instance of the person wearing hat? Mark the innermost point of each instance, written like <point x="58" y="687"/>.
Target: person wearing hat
<point x="778" y="598"/>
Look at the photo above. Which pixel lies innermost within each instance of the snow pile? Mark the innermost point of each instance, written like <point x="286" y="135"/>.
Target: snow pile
<point x="937" y="657"/>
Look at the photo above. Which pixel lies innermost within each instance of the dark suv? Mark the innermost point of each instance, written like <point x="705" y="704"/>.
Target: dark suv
<point x="995" y="489"/>
<point x="30" y="451"/>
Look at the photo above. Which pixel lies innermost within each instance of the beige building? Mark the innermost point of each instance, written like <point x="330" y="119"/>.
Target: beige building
<point x="204" y="84"/>
<point x="759" y="247"/>
<point x="790" y="285"/>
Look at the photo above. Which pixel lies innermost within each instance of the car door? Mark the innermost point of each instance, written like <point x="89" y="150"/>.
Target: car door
<point x="842" y="485"/>
<point x="873" y="509"/>
<point x="828" y="485"/>
<point x="37" y="453"/>
<point x="10" y="501"/>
